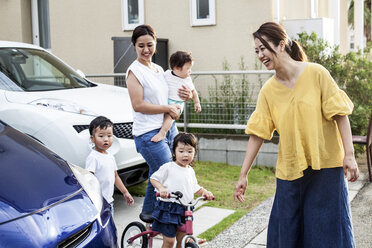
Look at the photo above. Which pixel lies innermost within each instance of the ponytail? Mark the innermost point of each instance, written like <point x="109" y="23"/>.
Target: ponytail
<point x="295" y="50"/>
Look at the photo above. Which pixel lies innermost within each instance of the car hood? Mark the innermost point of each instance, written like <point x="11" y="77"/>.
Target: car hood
<point x="110" y="101"/>
<point x="31" y="176"/>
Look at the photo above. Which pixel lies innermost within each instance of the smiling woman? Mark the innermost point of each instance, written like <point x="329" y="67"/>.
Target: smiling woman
<point x="148" y="92"/>
<point x="304" y="105"/>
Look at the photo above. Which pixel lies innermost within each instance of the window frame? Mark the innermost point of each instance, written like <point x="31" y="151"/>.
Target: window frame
<point x="202" y="22"/>
<point x="141" y="15"/>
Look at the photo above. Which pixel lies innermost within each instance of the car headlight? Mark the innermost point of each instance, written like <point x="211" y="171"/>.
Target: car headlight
<point x="90" y="185"/>
<point x="63" y="105"/>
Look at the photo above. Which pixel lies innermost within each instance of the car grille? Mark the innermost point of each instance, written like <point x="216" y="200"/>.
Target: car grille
<point x="77" y="238"/>
<point x="121" y="130"/>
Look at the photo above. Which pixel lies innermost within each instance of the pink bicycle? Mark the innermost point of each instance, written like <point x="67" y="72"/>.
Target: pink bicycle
<point x="136" y="235"/>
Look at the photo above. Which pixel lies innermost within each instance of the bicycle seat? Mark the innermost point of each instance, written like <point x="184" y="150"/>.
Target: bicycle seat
<point x="146" y="217"/>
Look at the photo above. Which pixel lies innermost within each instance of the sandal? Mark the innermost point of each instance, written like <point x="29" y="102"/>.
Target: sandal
<point x="202" y="242"/>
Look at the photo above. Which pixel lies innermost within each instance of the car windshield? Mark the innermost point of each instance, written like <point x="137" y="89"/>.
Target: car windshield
<point x="23" y="69"/>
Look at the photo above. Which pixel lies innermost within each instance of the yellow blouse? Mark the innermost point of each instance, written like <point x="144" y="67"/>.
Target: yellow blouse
<point x="303" y="117"/>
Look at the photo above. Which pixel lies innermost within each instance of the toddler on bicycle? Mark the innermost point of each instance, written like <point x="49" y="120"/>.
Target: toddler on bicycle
<point x="177" y="175"/>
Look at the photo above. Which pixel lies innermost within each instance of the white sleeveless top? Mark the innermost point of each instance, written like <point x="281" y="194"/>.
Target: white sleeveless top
<point x="155" y="91"/>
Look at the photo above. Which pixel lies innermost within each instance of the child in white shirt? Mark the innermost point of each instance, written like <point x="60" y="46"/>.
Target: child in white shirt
<point x="177" y="175"/>
<point x="102" y="164"/>
<point x="180" y="63"/>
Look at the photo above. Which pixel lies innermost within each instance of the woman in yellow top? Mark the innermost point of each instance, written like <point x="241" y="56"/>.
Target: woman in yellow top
<point x="304" y="105"/>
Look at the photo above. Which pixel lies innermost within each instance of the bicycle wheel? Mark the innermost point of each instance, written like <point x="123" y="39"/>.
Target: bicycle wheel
<point x="131" y="230"/>
<point x="191" y="244"/>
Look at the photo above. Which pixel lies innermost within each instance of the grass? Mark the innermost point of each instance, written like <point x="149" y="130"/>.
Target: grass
<point x="220" y="179"/>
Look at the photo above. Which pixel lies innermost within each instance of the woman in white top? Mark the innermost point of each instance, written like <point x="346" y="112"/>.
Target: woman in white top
<point x="148" y="92"/>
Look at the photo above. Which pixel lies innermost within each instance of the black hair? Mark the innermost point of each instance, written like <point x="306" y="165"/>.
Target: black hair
<point x="187" y="139"/>
<point x="179" y="58"/>
<point x="275" y="33"/>
<point x="142" y="30"/>
<point x="101" y="122"/>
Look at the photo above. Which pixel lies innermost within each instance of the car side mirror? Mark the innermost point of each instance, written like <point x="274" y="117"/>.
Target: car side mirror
<point x="81" y="74"/>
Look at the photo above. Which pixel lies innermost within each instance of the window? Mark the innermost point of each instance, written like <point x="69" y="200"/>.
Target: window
<point x="203" y="12"/>
<point x="133" y="14"/>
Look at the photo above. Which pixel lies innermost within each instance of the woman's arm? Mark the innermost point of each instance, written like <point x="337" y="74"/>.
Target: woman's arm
<point x="135" y="90"/>
<point x="350" y="163"/>
<point x="254" y="145"/>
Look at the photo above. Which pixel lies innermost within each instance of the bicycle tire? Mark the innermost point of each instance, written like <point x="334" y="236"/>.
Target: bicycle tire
<point x="191" y="244"/>
<point x="130" y="230"/>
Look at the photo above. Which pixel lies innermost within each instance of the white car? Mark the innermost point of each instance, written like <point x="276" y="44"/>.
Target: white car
<point x="45" y="98"/>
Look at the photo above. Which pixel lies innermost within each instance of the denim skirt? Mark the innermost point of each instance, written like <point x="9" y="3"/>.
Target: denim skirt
<point x="311" y="212"/>
<point x="168" y="217"/>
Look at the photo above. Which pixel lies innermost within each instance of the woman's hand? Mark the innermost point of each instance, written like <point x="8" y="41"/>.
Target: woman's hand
<point x="185" y="93"/>
<point x="174" y="111"/>
<point x="351" y="165"/>
<point x="240" y="188"/>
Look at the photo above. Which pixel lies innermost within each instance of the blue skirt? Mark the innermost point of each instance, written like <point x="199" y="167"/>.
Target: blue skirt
<point x="312" y="211"/>
<point x="168" y="216"/>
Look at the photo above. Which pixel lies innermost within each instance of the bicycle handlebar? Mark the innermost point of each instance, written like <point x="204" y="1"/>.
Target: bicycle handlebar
<point x="177" y="195"/>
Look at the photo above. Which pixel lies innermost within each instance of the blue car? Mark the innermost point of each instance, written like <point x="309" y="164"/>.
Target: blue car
<point x="46" y="202"/>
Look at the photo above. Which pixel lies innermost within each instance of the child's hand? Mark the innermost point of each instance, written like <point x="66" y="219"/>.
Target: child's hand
<point x="197" y="107"/>
<point x="208" y="195"/>
<point x="163" y="193"/>
<point x="128" y="198"/>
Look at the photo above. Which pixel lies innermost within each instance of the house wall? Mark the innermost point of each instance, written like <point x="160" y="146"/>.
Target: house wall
<point x="15" y="20"/>
<point x="81" y="31"/>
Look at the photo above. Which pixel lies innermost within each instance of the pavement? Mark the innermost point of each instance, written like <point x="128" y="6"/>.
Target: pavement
<point x="250" y="231"/>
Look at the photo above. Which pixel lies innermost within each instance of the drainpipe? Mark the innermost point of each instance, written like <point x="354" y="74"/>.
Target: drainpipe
<point x="313" y="8"/>
<point x="276" y="11"/>
<point x="359" y="24"/>
<point x="35" y="23"/>
<point x="40" y="23"/>
<point x="334" y="13"/>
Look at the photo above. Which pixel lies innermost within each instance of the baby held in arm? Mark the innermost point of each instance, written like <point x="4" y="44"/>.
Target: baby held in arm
<point x="179" y="83"/>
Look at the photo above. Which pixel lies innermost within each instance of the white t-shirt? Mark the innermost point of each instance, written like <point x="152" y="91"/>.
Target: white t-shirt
<point x="175" y="83"/>
<point x="177" y="178"/>
<point x="155" y="91"/>
<point x="103" y="166"/>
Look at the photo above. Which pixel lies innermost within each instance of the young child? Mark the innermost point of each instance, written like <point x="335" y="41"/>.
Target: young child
<point x="176" y="176"/>
<point x="101" y="163"/>
<point x="180" y="63"/>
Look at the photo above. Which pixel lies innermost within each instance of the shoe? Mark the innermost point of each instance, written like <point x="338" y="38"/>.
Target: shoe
<point x="202" y="242"/>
